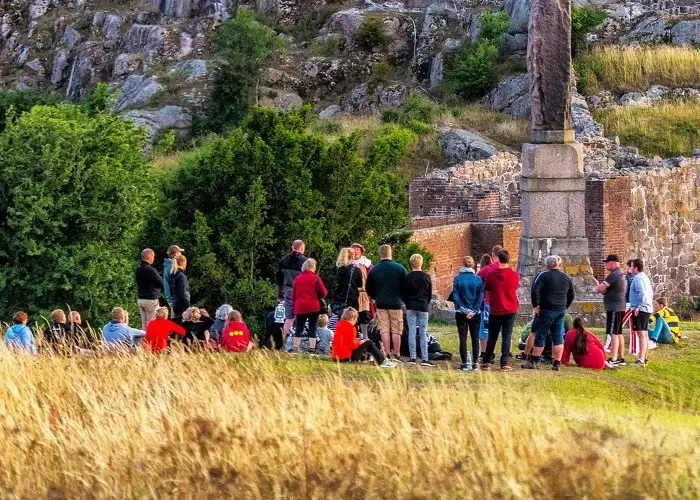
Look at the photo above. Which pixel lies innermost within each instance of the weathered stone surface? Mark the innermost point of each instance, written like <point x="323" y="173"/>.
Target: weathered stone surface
<point x="392" y="96"/>
<point x="650" y="30"/>
<point x="549" y="65"/>
<point x="442" y="310"/>
<point x="36" y="66"/>
<point x="60" y="65"/>
<point x="111" y="26"/>
<point x="436" y="70"/>
<point x="136" y="91"/>
<point x="218" y="10"/>
<point x="23" y="56"/>
<point x="38" y="8"/>
<point x="177" y="8"/>
<point x="279" y="99"/>
<point x="586" y="128"/>
<point x="459" y="146"/>
<point x="186" y="45"/>
<point x="330" y="112"/>
<point x="686" y="33"/>
<point x="6" y="26"/>
<point x="519" y="14"/>
<point x="192" y="70"/>
<point x="82" y="72"/>
<point x="144" y="39"/>
<point x="126" y="64"/>
<point x="167" y="118"/>
<point x="512" y="96"/>
<point x="71" y="37"/>
<point x="347" y="23"/>
<point x="451" y="45"/>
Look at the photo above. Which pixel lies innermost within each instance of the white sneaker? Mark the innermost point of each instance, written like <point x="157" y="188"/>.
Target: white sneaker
<point x="388" y="364"/>
<point x="652" y="345"/>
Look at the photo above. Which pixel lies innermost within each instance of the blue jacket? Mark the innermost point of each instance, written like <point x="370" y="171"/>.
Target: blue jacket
<point x="167" y="267"/>
<point x="468" y="291"/>
<point x="116" y="334"/>
<point x="20" y="337"/>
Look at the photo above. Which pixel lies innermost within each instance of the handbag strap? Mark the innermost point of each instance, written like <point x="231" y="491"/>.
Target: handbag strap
<point x="347" y="292"/>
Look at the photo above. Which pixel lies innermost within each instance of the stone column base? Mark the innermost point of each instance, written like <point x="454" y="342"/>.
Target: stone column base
<point x="574" y="254"/>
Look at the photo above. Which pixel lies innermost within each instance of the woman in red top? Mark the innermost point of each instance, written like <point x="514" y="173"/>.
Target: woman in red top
<point x="235" y="336"/>
<point x="158" y="331"/>
<point x="307" y="291"/>
<point x="587" y="349"/>
<point x="346" y="347"/>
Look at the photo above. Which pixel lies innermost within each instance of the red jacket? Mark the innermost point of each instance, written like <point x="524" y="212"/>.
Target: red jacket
<point x="344" y="340"/>
<point x="305" y="293"/>
<point x="502" y="286"/>
<point x="485" y="271"/>
<point x="235" y="337"/>
<point x="157" y="333"/>
<point x="594" y="358"/>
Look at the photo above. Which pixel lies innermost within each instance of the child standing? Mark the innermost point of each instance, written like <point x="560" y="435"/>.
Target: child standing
<point x="324" y="336"/>
<point x="236" y="336"/>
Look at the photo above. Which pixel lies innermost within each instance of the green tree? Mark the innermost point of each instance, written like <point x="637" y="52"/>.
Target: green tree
<point x="243" y="48"/>
<point x="73" y="196"/>
<point x="15" y="102"/>
<point x="473" y="73"/>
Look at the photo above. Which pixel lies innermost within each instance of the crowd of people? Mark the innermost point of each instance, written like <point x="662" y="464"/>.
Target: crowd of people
<point x="385" y="298"/>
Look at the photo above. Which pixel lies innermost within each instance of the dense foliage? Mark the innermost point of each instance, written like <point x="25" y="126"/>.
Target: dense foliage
<point x="372" y="33"/>
<point x="73" y="196"/>
<point x="583" y="20"/>
<point x="16" y="102"/>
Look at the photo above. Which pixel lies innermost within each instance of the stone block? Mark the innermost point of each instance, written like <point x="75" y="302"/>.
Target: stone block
<point x="553" y="215"/>
<point x="553" y="161"/>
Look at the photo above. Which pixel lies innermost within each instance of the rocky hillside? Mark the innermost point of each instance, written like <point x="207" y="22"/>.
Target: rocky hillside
<point x="157" y="53"/>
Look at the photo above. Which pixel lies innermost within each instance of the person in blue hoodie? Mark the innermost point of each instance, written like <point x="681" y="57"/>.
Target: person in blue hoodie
<point x="173" y="252"/>
<point x="117" y="334"/>
<point x="19" y="336"/>
<point x="468" y="297"/>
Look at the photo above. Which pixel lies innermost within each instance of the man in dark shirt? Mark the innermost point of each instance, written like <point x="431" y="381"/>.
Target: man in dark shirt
<point x="417" y="291"/>
<point x="289" y="268"/>
<point x="614" y="290"/>
<point x="384" y="283"/>
<point x="149" y="285"/>
<point x="552" y="293"/>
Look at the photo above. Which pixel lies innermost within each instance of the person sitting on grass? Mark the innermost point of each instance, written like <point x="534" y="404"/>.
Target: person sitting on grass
<point x="220" y="317"/>
<point x="196" y="323"/>
<point x="19" y="336"/>
<point x="665" y="327"/>
<point x="158" y="331"/>
<point x="57" y="333"/>
<point x="587" y="348"/>
<point x="236" y="336"/>
<point x="117" y="334"/>
<point x="346" y="347"/>
<point x="324" y="336"/>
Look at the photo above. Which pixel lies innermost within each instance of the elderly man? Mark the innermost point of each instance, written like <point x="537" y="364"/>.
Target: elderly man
<point x="117" y="334"/>
<point x="149" y="285"/>
<point x="289" y="268"/>
<point x="552" y="294"/>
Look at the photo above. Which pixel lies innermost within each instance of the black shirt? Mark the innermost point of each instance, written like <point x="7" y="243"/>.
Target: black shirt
<point x="552" y="290"/>
<point x="417" y="291"/>
<point x="149" y="284"/>
<point x="614" y="297"/>
<point x="348" y="285"/>
<point x="289" y="268"/>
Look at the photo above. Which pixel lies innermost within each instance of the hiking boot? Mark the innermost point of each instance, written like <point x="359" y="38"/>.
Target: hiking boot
<point x="411" y="361"/>
<point x="388" y="364"/>
<point x="528" y="365"/>
<point x="506" y="368"/>
<point x="427" y="363"/>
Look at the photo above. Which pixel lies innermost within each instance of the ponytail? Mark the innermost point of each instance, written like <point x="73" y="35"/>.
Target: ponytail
<point x="581" y="340"/>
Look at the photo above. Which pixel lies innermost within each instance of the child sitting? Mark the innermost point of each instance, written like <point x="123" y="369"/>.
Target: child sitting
<point x="666" y="327"/>
<point x="236" y="337"/>
<point x="158" y="331"/>
<point x="324" y="336"/>
<point x="346" y="346"/>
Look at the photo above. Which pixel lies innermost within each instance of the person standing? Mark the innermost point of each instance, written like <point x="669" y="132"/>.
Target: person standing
<point x="487" y="265"/>
<point x="149" y="286"/>
<point x="642" y="306"/>
<point x="173" y="252"/>
<point x="348" y="282"/>
<point x="384" y="284"/>
<point x="307" y="291"/>
<point x="502" y="285"/>
<point x="364" y="265"/>
<point x="289" y="268"/>
<point x="179" y="287"/>
<point x="468" y="295"/>
<point x="417" y="291"/>
<point x="614" y="290"/>
<point x="552" y="293"/>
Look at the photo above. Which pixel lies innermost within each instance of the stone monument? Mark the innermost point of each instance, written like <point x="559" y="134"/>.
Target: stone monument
<point x="553" y="184"/>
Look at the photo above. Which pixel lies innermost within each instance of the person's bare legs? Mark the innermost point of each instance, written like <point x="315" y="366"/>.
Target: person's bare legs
<point x="386" y="343"/>
<point x="288" y="326"/>
<point x="643" y="345"/>
<point x="482" y="345"/>
<point x="529" y="344"/>
<point x="620" y="346"/>
<point x="614" y="346"/>
<point x="397" y="344"/>
<point x="557" y="351"/>
<point x="296" y="344"/>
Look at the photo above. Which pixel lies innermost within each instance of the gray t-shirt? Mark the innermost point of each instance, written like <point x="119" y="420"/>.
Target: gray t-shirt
<point x="324" y="338"/>
<point x="614" y="297"/>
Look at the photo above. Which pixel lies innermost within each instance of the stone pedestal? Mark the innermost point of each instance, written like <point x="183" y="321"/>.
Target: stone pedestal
<point x="553" y="216"/>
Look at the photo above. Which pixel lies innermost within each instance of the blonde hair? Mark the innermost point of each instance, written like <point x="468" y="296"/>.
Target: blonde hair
<point x="385" y="252"/>
<point x="119" y="314"/>
<point x="322" y="320"/>
<point x="309" y="265"/>
<point x="181" y="261"/>
<point x="416" y="261"/>
<point x="162" y="313"/>
<point x="191" y="314"/>
<point x="58" y="316"/>
<point x="468" y="261"/>
<point x="345" y="257"/>
<point x="349" y="314"/>
<point x="235" y="316"/>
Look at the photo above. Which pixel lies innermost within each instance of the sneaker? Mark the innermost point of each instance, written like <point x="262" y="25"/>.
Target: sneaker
<point x="475" y="367"/>
<point x="427" y="363"/>
<point x="465" y="367"/>
<point x="639" y="362"/>
<point x="396" y="359"/>
<point x="556" y="368"/>
<point x="621" y="362"/>
<point x="484" y="366"/>
<point x="506" y="368"/>
<point x="613" y="362"/>
<point x="529" y="365"/>
<point x="522" y="356"/>
<point x="411" y="362"/>
<point x="388" y="364"/>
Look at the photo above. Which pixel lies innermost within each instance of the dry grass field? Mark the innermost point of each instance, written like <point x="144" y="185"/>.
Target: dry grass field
<point x="263" y="425"/>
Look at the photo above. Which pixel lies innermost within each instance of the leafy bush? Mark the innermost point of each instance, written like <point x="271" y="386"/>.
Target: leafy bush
<point x="379" y="73"/>
<point x="583" y="20"/>
<point x="330" y="47"/>
<point x="493" y="26"/>
<point x="473" y="72"/>
<point x="73" y="194"/>
<point x="371" y="33"/>
<point x="417" y="114"/>
<point x="327" y="127"/>
<point x="243" y="48"/>
<point x="22" y="101"/>
<point x="391" y="143"/>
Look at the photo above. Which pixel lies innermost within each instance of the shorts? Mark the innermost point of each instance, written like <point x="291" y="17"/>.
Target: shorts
<point x="364" y="318"/>
<point x="640" y="322"/>
<point x="546" y="322"/>
<point x="288" y="305"/>
<point x="613" y="322"/>
<point x="390" y="321"/>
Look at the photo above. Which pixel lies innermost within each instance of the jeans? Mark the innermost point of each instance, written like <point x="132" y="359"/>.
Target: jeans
<point x="500" y="324"/>
<point x="465" y="326"/>
<point x="484" y="327"/>
<point x="549" y="321"/>
<point x="417" y="319"/>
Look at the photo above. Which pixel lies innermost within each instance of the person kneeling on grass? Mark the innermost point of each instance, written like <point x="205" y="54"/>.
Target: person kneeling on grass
<point x="587" y="349"/>
<point x="159" y="329"/>
<point x="236" y="337"/>
<point x="347" y="348"/>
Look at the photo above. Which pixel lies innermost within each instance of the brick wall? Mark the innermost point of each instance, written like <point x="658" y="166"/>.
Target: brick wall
<point x="448" y="244"/>
<point x="428" y="197"/>
<point x="595" y="227"/>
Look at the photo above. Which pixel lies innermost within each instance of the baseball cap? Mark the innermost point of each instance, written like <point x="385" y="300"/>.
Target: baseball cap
<point x="172" y="249"/>
<point x="612" y="258"/>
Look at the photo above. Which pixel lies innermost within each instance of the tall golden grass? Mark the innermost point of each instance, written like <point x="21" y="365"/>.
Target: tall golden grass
<point x="627" y="69"/>
<point x="262" y="426"/>
<point x="667" y="130"/>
